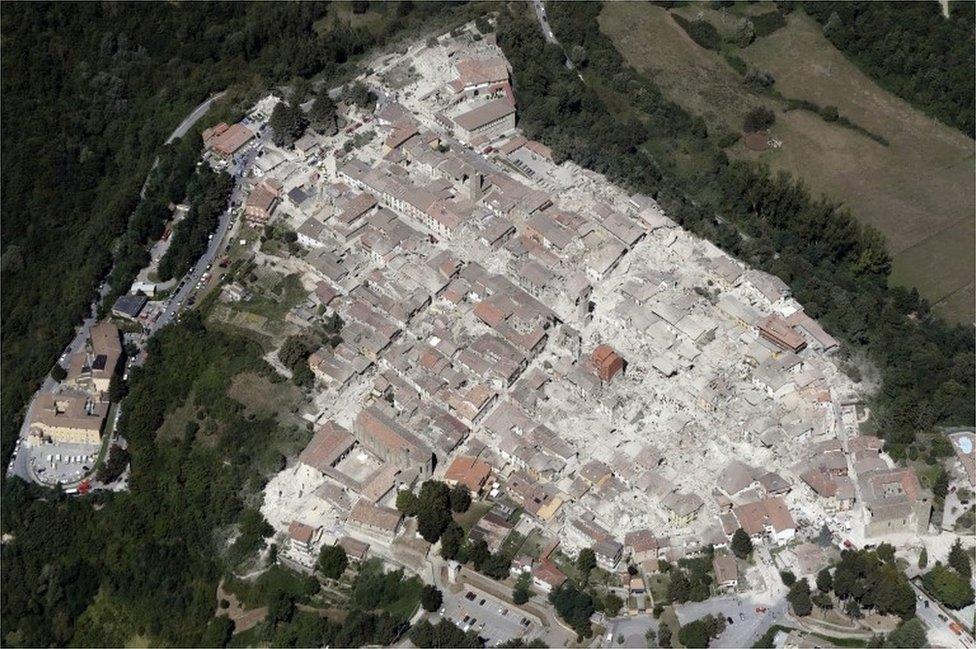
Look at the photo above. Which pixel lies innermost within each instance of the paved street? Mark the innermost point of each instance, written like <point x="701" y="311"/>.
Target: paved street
<point x="940" y="635"/>
<point x="18" y="464"/>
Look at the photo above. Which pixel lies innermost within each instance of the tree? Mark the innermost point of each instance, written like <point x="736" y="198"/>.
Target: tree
<point x="825" y="582"/>
<point x="407" y="502"/>
<point x="431" y="598"/>
<point x="664" y="636"/>
<point x="361" y="96"/>
<point x="886" y="552"/>
<point x="332" y="561"/>
<point x="58" y="373"/>
<point x="799" y="598"/>
<point x="910" y="633"/>
<point x="575" y="607"/>
<point x="114" y="464"/>
<point x="117" y="388"/>
<point x="694" y="634"/>
<point x="829" y="113"/>
<point x="281" y="608"/>
<point x="758" y="119"/>
<point x="959" y="560"/>
<point x="433" y="510"/>
<point x="443" y="634"/>
<point x="288" y="123"/>
<point x="585" y="563"/>
<point x="460" y="498"/>
<point x="322" y="115"/>
<point x="941" y="487"/>
<point x="741" y="544"/>
<point x="451" y="540"/>
<point x="788" y="578"/>
<point x="678" y="587"/>
<point x="923" y="559"/>
<point x="853" y="610"/>
<point x="948" y="586"/>
<point x="612" y="605"/>
<point x="522" y="592"/>
<point x="218" y="633"/>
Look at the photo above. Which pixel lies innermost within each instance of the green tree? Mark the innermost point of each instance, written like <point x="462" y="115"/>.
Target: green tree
<point x="117" y="388"/>
<point x="322" y="115"/>
<point x="431" y="598"/>
<point x="288" y="123"/>
<point x="451" y="540"/>
<point x="941" y="486"/>
<point x="910" y="633"/>
<point x="114" y="464"/>
<point x="923" y="559"/>
<point x="218" y="633"/>
<point x="58" y="373"/>
<point x="788" y="578"/>
<point x="612" y="605"/>
<point x="694" y="634"/>
<point x="741" y="544"/>
<point x="522" y="590"/>
<point x="799" y="598"/>
<point x="406" y="502"/>
<point x="948" y="586"/>
<point x="460" y="498"/>
<point x="825" y="582"/>
<point x="959" y="560"/>
<point x="433" y="510"/>
<point x="853" y="610"/>
<point x="332" y="561"/>
<point x="678" y="587"/>
<point x="585" y="563"/>
<point x="281" y="608"/>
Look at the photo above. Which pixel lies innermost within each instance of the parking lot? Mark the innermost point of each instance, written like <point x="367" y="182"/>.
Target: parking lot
<point x="61" y="463"/>
<point x="494" y="620"/>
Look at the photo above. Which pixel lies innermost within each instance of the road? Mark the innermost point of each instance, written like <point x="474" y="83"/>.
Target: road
<point x="193" y="118"/>
<point x="939" y="633"/>
<point x="540" y="13"/>
<point x="188" y="286"/>
<point x="18" y="464"/>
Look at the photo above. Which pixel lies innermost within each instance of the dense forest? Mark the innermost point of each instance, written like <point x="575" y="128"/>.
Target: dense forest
<point x="837" y="268"/>
<point x="911" y="49"/>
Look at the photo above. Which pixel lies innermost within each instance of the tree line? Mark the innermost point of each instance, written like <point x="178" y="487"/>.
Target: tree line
<point x="912" y="50"/>
<point x="837" y="268"/>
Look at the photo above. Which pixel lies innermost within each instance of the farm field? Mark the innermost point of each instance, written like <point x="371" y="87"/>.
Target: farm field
<point x="918" y="191"/>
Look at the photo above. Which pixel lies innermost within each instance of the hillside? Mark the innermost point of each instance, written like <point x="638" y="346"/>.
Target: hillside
<point x="917" y="190"/>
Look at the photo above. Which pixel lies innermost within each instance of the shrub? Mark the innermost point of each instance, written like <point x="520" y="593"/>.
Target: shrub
<point x="758" y="119"/>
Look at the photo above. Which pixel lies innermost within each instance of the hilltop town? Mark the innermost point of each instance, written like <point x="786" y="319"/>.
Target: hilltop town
<point x="594" y="377"/>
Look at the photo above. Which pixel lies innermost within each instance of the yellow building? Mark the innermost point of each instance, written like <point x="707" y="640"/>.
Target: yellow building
<point x="68" y="418"/>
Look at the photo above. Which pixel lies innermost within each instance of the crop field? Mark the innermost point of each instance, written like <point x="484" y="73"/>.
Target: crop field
<point x="918" y="190"/>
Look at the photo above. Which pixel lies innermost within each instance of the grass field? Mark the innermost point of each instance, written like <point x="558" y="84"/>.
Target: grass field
<point x="261" y="397"/>
<point x="918" y="190"/>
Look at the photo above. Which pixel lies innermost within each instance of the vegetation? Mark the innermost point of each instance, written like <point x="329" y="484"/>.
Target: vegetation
<point x="575" y="607"/>
<point x="700" y="632"/>
<point x="799" y="598"/>
<point x="910" y="50"/>
<point x="522" y="590"/>
<point x="431" y="598"/>
<point x="758" y="119"/>
<point x="701" y="31"/>
<point x="837" y="268"/>
<point x="443" y="634"/>
<point x="332" y="561"/>
<point x="114" y="465"/>
<point x="948" y="586"/>
<point x="288" y="123"/>
<point x="741" y="544"/>
<point x="322" y="116"/>
<point x="864" y="578"/>
<point x="207" y="195"/>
